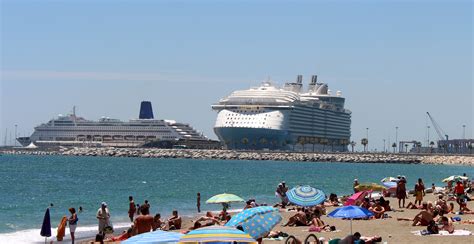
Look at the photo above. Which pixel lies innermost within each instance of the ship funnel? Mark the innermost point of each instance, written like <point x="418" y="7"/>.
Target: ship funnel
<point x="146" y="112"/>
<point x="299" y="79"/>
<point x="314" y="79"/>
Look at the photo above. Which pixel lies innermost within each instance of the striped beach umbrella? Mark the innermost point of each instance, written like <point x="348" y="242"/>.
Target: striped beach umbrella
<point x="257" y="222"/>
<point x="306" y="196"/>
<point x="217" y="233"/>
<point x="225" y="198"/>
<point x="158" y="236"/>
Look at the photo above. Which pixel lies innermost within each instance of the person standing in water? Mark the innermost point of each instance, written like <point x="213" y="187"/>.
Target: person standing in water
<point x="198" y="204"/>
<point x="72" y="223"/>
<point x="131" y="208"/>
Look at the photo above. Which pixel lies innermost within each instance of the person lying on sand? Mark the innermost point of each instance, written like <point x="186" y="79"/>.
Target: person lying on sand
<point x="299" y="219"/>
<point x="350" y="239"/>
<point x="469" y="222"/>
<point x="447" y="225"/>
<point x="122" y="237"/>
<point x="325" y="228"/>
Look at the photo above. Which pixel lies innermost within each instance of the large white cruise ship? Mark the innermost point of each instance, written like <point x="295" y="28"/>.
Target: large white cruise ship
<point x="287" y="118"/>
<point x="71" y="130"/>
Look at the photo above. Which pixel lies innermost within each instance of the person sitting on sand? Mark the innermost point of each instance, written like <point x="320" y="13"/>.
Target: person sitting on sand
<point x="366" y="203"/>
<point x="157" y="223"/>
<point x="316" y="221"/>
<point x="377" y="210"/>
<point x="385" y="204"/>
<point x="447" y="225"/>
<point x="173" y="222"/>
<point x="451" y="208"/>
<point x="423" y="218"/>
<point x="144" y="222"/>
<point x="299" y="219"/>
<point x="441" y="204"/>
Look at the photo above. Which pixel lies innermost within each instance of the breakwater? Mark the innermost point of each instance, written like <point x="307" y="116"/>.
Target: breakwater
<point x="467" y="160"/>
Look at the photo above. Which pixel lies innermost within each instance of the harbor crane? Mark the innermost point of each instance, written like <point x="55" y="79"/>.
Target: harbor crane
<point x="438" y="129"/>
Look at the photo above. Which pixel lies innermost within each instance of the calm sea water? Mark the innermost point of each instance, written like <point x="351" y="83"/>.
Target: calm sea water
<point x="30" y="183"/>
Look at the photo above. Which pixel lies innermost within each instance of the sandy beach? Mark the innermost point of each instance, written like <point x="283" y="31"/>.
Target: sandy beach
<point x="390" y="229"/>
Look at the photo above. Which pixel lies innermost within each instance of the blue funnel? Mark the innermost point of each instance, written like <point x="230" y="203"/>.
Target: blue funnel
<point x="146" y="112"/>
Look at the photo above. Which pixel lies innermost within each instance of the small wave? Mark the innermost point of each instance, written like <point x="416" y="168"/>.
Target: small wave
<point x="33" y="235"/>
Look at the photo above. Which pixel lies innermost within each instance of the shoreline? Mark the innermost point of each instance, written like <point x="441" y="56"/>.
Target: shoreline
<point x="346" y="157"/>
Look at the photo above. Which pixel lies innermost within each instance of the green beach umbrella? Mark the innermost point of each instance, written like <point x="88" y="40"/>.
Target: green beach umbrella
<point x="455" y="178"/>
<point x="225" y="198"/>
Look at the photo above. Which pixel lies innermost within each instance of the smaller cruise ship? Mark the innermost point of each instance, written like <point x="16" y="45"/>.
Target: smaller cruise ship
<point x="72" y="130"/>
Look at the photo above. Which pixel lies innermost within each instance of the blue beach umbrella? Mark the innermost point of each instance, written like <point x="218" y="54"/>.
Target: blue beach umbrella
<point x="257" y="222"/>
<point x="157" y="236"/>
<point x="350" y="212"/>
<point x="46" y="226"/>
<point x="306" y="196"/>
<point x="217" y="234"/>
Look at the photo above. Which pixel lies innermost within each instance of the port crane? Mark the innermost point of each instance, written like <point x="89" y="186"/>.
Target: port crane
<point x="438" y="129"/>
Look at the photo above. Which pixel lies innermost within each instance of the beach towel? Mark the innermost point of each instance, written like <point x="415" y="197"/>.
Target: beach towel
<point x="445" y="233"/>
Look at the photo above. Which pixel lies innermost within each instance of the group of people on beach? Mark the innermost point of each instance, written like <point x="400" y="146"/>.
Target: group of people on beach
<point x="433" y="215"/>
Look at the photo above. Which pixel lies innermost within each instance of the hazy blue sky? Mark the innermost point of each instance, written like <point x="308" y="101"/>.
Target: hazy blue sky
<point x="393" y="60"/>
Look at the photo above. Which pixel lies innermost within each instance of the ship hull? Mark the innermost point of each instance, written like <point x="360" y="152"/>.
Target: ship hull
<point x="253" y="138"/>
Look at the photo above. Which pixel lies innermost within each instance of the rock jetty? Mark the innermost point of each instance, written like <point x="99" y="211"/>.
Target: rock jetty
<point x="467" y="160"/>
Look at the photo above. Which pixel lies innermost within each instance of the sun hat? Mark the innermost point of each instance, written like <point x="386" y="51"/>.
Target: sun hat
<point x="104" y="204"/>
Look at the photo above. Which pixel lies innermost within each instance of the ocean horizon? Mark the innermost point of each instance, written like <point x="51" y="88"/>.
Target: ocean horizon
<point x="30" y="183"/>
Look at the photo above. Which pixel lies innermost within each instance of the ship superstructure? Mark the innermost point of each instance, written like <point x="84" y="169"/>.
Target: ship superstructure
<point x="71" y="130"/>
<point x="287" y="118"/>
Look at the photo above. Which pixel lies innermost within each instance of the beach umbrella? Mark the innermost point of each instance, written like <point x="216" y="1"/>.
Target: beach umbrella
<point x="350" y="212"/>
<point x="389" y="179"/>
<point x="46" y="227"/>
<point x="217" y="233"/>
<point x="455" y="178"/>
<point x="305" y="196"/>
<point x="225" y="198"/>
<point x="370" y="186"/>
<point x="257" y="222"/>
<point x="157" y="236"/>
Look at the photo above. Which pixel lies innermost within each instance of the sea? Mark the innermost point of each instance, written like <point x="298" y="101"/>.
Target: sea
<point x="29" y="184"/>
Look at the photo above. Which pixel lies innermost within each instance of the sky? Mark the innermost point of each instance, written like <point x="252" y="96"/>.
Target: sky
<point x="392" y="60"/>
